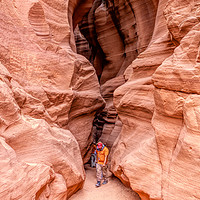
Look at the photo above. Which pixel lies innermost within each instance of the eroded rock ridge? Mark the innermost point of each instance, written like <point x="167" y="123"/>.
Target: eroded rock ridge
<point x="157" y="149"/>
<point x="138" y="90"/>
<point x="48" y="98"/>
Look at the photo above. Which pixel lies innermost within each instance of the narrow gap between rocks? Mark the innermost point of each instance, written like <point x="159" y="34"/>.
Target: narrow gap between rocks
<point x="103" y="127"/>
<point x="108" y="37"/>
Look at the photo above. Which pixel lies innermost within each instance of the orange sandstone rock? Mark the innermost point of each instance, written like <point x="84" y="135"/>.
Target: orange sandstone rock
<point x="156" y="153"/>
<point x="44" y="89"/>
<point x="135" y="155"/>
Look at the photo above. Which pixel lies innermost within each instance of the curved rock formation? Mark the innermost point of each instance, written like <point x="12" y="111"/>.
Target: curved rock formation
<point x="157" y="146"/>
<point x="146" y="52"/>
<point x="117" y="32"/>
<point x="135" y="157"/>
<point x="177" y="101"/>
<point x="44" y="89"/>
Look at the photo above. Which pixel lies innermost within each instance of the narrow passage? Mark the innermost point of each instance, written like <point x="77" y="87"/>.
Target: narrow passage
<point x="113" y="190"/>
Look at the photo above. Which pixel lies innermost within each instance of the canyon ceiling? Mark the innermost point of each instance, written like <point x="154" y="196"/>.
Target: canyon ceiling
<point x="136" y="86"/>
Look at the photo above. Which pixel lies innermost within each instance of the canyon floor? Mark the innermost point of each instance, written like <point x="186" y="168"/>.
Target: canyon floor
<point x="114" y="190"/>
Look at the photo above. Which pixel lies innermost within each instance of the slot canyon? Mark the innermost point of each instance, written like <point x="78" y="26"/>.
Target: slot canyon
<point x="126" y="72"/>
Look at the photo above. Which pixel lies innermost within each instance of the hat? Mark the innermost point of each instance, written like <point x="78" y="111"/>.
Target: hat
<point x="99" y="144"/>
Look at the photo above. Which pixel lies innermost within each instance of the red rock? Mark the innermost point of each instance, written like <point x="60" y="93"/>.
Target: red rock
<point x="157" y="145"/>
<point x="175" y="122"/>
<point x="135" y="155"/>
<point x="21" y="179"/>
<point x="145" y="52"/>
<point x="44" y="89"/>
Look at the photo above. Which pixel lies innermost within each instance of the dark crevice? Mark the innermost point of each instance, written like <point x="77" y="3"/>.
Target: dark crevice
<point x="115" y="15"/>
<point x="98" y="124"/>
<point x="89" y="31"/>
<point x="129" y="3"/>
<point x="120" y="17"/>
<point x="87" y="28"/>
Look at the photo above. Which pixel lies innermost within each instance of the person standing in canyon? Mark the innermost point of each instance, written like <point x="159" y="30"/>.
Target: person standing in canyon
<point x="101" y="163"/>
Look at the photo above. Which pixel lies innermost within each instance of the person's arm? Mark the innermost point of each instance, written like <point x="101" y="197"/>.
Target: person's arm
<point x="106" y="157"/>
<point x="96" y="154"/>
<point x="104" y="164"/>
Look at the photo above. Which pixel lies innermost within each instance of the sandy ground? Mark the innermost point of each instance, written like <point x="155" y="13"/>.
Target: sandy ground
<point x="113" y="190"/>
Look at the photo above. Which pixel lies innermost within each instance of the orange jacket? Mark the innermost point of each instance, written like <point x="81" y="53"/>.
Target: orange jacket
<point x="101" y="155"/>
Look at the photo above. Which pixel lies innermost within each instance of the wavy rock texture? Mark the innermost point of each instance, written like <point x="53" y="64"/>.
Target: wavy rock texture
<point x="146" y="52"/>
<point x="157" y="152"/>
<point x="48" y="98"/>
<point x="176" y="96"/>
<point x="117" y="32"/>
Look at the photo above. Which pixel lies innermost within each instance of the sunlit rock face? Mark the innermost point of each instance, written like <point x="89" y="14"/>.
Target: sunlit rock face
<point x="117" y="31"/>
<point x="157" y="151"/>
<point x="48" y="98"/>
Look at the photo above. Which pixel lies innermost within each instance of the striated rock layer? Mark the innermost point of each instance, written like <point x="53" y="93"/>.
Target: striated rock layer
<point x="158" y="105"/>
<point x="157" y="151"/>
<point x="176" y="118"/>
<point x="48" y="98"/>
<point x="145" y="51"/>
<point x="117" y="31"/>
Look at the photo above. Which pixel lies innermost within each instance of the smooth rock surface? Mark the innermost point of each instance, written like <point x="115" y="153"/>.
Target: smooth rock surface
<point x="158" y="107"/>
<point x="117" y="31"/>
<point x="176" y="123"/>
<point x="145" y="52"/>
<point x="44" y="89"/>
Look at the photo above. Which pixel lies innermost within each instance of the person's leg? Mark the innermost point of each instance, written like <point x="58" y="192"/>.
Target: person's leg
<point x="94" y="160"/>
<point x="92" y="164"/>
<point x="91" y="160"/>
<point x="98" y="174"/>
<point x="105" y="176"/>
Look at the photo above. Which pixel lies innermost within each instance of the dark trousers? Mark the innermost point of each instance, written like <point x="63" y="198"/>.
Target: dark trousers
<point x="93" y="160"/>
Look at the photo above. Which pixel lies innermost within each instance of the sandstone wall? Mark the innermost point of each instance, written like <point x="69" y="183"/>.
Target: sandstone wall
<point x="176" y="97"/>
<point x="117" y="32"/>
<point x="145" y="51"/>
<point x="157" y="151"/>
<point x="44" y="89"/>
